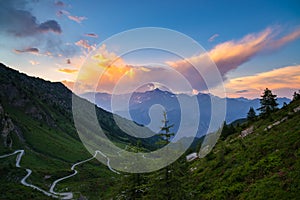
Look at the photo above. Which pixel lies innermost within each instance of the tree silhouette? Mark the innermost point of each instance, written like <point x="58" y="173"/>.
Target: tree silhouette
<point x="251" y="114"/>
<point x="268" y="102"/>
<point x="296" y="96"/>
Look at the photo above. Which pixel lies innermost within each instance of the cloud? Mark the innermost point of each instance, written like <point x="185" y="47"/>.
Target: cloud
<point x="227" y="56"/>
<point x="76" y="18"/>
<point x="283" y="81"/>
<point x="57" y="48"/>
<point x="116" y="72"/>
<point x="212" y="38"/>
<point x="49" y="25"/>
<point x="242" y="91"/>
<point x="17" y="21"/>
<point x="27" y="50"/>
<point x="91" y="35"/>
<point x="60" y="4"/>
<point x="85" y="44"/>
<point x="231" y="54"/>
<point x="33" y="62"/>
<point x="62" y="12"/>
<point x="69" y="71"/>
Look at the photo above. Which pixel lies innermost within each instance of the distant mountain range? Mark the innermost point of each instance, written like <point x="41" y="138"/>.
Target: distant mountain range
<point x="141" y="107"/>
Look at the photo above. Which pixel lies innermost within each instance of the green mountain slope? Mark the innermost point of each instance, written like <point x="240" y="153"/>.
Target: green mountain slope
<point x="265" y="164"/>
<point x="36" y="115"/>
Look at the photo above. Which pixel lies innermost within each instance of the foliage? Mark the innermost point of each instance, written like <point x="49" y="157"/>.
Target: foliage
<point x="251" y="114"/>
<point x="227" y="130"/>
<point x="296" y="96"/>
<point x="268" y="102"/>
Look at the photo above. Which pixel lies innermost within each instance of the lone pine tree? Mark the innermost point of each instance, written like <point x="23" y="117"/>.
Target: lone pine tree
<point x="268" y="102"/>
<point x="251" y="115"/>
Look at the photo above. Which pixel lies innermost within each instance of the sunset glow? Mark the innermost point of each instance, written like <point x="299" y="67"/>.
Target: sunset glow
<point x="54" y="45"/>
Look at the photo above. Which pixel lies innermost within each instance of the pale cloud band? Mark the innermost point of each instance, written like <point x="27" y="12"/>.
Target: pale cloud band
<point x="284" y="81"/>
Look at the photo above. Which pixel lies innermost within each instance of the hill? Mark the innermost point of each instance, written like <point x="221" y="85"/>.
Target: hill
<point x="264" y="163"/>
<point x="36" y="116"/>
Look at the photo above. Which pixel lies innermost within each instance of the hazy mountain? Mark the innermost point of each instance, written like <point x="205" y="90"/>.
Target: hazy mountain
<point x="140" y="103"/>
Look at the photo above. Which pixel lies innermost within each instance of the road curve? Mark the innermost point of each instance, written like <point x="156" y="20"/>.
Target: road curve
<point x="52" y="193"/>
<point x="23" y="181"/>
<point x="69" y="195"/>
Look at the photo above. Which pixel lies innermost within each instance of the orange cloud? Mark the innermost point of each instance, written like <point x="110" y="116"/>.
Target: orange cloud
<point x="114" y="71"/>
<point x="231" y="54"/>
<point x="283" y="81"/>
<point x="69" y="71"/>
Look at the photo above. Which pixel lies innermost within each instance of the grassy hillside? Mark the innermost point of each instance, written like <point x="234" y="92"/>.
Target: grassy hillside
<point x="35" y="115"/>
<point x="262" y="165"/>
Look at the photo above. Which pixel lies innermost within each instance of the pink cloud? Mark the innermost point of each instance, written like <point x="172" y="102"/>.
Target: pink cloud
<point x="32" y="50"/>
<point x="77" y="18"/>
<point x="85" y="44"/>
<point x="212" y="38"/>
<point x="91" y="35"/>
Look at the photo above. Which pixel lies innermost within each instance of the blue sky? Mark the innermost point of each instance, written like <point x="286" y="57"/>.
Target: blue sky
<point x="54" y="50"/>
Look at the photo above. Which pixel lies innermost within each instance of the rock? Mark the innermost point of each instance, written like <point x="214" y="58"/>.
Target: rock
<point x="276" y="123"/>
<point x="283" y="119"/>
<point x="8" y="126"/>
<point x="191" y="157"/>
<point x="47" y="176"/>
<point x="297" y="109"/>
<point x="1" y="110"/>
<point x="247" y="131"/>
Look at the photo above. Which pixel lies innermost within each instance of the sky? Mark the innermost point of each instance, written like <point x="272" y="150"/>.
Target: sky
<point x="254" y="44"/>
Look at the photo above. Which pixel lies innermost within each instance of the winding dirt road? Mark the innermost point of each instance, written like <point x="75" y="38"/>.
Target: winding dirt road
<point x="52" y="193"/>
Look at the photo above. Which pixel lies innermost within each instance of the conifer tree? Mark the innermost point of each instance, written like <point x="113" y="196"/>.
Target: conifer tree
<point x="268" y="102"/>
<point x="251" y="114"/>
<point x="296" y="96"/>
<point x="165" y="133"/>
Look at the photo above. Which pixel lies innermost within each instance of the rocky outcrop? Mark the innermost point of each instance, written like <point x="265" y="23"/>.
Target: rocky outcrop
<point x="247" y="131"/>
<point x="297" y="109"/>
<point x="6" y="128"/>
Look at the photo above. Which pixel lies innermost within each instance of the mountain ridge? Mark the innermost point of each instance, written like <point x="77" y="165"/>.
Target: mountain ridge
<point x="141" y="103"/>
